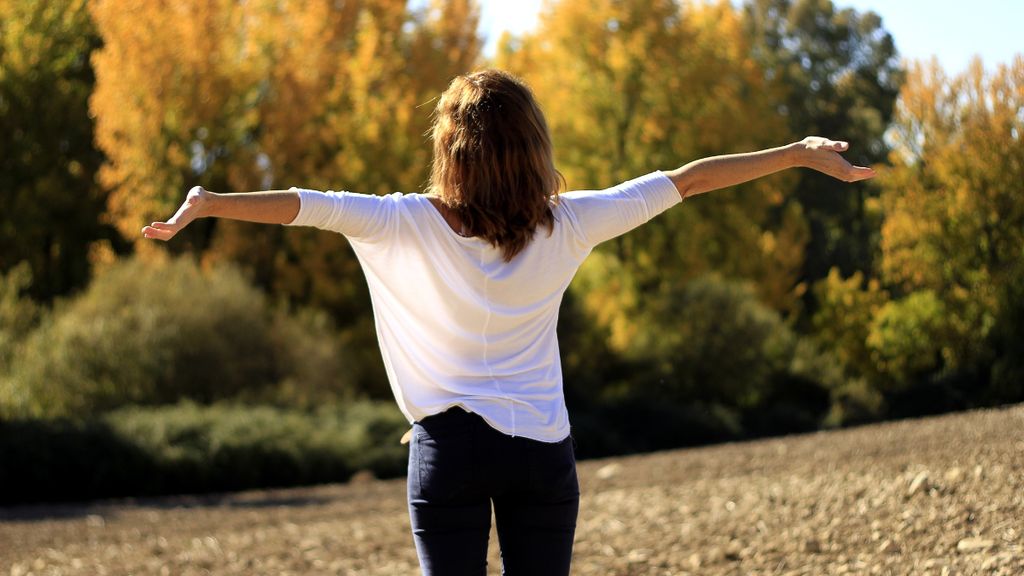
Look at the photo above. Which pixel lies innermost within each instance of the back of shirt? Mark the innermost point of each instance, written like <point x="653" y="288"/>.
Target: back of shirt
<point x="459" y="326"/>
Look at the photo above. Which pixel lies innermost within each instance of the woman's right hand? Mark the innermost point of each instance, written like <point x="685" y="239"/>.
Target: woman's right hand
<point x="196" y="205"/>
<point x="823" y="155"/>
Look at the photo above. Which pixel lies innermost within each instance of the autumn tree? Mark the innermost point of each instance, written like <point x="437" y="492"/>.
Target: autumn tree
<point x="954" y="223"/>
<point x="51" y="201"/>
<point x="264" y="94"/>
<point x="356" y="124"/>
<point x="839" y="75"/>
<point x="633" y="86"/>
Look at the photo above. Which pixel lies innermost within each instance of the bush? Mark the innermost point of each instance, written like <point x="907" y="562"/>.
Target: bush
<point x="45" y="461"/>
<point x="638" y="424"/>
<point x="19" y="314"/>
<point x="154" y="333"/>
<point x="698" y="362"/>
<point x="856" y="401"/>
<point x="842" y="321"/>
<point x="189" y="448"/>
<point x="1006" y="341"/>
<point x="907" y="338"/>
<point x="713" y="342"/>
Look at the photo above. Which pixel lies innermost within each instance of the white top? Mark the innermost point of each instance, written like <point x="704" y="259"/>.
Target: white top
<point x="459" y="326"/>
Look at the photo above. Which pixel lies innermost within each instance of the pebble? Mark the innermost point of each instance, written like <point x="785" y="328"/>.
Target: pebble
<point x="974" y="544"/>
<point x="607" y="471"/>
<point x="889" y="547"/>
<point x="95" y="521"/>
<point x="918" y="483"/>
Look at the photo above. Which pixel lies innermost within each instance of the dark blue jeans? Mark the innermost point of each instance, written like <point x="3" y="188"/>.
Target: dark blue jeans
<point x="458" y="467"/>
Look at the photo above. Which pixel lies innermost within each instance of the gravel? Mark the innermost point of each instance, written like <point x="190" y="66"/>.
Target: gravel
<point x="942" y="496"/>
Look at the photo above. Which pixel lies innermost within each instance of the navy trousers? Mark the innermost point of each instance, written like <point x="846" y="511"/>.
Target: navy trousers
<point x="458" y="467"/>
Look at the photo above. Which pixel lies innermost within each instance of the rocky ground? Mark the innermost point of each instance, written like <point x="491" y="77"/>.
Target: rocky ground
<point x="936" y="496"/>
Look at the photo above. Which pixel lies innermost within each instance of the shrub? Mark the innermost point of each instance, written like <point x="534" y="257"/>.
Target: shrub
<point x="42" y="461"/>
<point x="154" y="333"/>
<point x="711" y="341"/>
<point x="18" y="313"/>
<point x="856" y="401"/>
<point x="907" y="337"/>
<point x="707" y="361"/>
<point x="842" y="321"/>
<point x="1006" y="343"/>
<point x="188" y="448"/>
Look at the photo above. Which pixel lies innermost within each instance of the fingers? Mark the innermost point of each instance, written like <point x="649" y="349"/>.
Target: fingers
<point x="159" y="231"/>
<point x="825" y="156"/>
<point x="819" y="143"/>
<point x="850" y="173"/>
<point x="186" y="213"/>
<point x="858" y="173"/>
<point x="155" y="234"/>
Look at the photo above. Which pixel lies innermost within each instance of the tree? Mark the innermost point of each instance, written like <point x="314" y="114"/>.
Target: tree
<point x="637" y="85"/>
<point x="839" y="73"/>
<point x="52" y="203"/>
<point x="257" y="95"/>
<point x="954" y="215"/>
<point x="357" y="123"/>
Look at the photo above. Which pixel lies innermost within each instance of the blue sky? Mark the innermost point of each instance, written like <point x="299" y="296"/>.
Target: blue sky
<point x="953" y="30"/>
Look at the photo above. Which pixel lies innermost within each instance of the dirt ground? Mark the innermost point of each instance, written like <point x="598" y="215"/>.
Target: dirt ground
<point x="939" y="496"/>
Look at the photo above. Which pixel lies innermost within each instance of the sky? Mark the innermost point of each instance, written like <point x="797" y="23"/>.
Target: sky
<point x="952" y="30"/>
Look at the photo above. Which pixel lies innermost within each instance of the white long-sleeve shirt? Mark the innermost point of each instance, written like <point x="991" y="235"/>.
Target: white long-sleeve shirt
<point x="459" y="326"/>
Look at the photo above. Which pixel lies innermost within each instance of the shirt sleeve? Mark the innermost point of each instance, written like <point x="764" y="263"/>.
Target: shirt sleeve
<point x="600" y="215"/>
<point x="361" y="216"/>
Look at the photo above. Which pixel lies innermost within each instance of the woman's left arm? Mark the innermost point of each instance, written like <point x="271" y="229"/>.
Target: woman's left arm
<point x="813" y="152"/>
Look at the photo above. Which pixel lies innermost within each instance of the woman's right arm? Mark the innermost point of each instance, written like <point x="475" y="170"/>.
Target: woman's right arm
<point x="813" y="152"/>
<point x="270" y="207"/>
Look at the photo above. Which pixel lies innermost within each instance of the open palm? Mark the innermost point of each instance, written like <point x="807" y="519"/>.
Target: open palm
<point x="822" y="155"/>
<point x="193" y="207"/>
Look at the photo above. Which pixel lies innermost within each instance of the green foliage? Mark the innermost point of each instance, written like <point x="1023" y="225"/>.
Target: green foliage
<point x="18" y="313"/>
<point x="840" y="74"/>
<point x="856" y="401"/>
<point x="191" y="449"/>
<point x="709" y="340"/>
<point x="147" y="333"/>
<point x="907" y="336"/>
<point x="843" y="319"/>
<point x="48" y="161"/>
<point x="706" y="347"/>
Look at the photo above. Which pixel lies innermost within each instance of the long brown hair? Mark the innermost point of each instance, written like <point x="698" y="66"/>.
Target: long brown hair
<point x="493" y="165"/>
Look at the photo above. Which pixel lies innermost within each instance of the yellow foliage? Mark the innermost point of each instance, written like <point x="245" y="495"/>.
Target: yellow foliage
<point x="270" y="94"/>
<point x="630" y="86"/>
<point x="846" y="310"/>
<point x="954" y="214"/>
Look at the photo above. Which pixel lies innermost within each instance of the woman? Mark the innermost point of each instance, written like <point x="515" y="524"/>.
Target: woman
<point x="466" y="282"/>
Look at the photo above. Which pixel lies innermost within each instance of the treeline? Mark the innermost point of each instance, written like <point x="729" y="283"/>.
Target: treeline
<point x="788" y="304"/>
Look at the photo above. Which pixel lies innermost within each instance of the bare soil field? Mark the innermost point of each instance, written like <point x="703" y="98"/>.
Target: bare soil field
<point x="939" y="496"/>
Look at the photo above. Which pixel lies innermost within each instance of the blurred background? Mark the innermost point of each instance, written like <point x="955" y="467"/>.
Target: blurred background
<point x="243" y="355"/>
